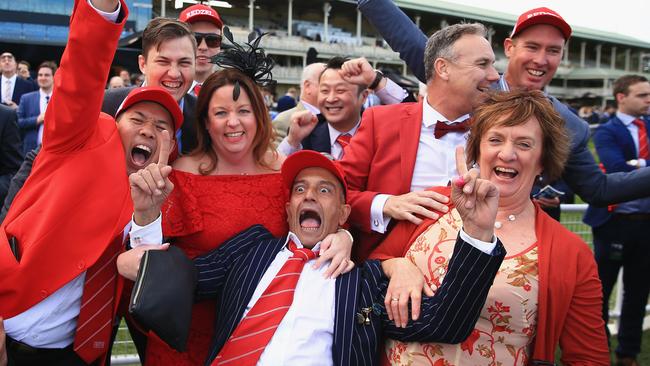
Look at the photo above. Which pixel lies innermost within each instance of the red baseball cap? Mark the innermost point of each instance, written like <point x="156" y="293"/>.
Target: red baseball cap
<point x="199" y="12"/>
<point x="304" y="159"/>
<point x="541" y="16"/>
<point x="156" y="95"/>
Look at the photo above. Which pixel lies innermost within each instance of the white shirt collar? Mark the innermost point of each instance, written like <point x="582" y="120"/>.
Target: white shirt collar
<point x="12" y="79"/>
<point x="310" y="107"/>
<point x="430" y="116"/>
<point x="625" y="118"/>
<point x="334" y="133"/>
<point x="44" y="94"/>
<point x="296" y="241"/>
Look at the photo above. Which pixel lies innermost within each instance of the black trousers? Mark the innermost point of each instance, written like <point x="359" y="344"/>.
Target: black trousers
<point x="20" y="354"/>
<point x="624" y="242"/>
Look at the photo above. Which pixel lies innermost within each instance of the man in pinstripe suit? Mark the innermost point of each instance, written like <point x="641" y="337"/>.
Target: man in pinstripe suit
<point x="342" y="321"/>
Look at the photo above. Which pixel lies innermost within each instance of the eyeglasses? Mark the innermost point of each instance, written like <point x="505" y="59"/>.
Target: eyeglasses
<point x="212" y="40"/>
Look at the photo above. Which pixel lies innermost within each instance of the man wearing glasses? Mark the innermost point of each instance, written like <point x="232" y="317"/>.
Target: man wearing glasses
<point x="206" y="24"/>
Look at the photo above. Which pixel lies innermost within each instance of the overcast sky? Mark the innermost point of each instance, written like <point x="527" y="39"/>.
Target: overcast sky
<point x="627" y="17"/>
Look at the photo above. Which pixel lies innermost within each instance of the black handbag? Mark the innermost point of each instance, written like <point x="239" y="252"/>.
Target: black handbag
<point x="163" y="295"/>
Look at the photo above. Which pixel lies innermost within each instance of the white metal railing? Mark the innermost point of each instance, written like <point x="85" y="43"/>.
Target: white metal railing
<point x="124" y="351"/>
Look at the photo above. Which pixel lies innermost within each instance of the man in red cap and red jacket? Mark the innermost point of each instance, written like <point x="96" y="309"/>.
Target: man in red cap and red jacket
<point x="58" y="281"/>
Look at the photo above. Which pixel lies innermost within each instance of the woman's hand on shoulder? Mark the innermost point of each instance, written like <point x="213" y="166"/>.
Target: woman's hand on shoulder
<point x="336" y="247"/>
<point x="406" y="283"/>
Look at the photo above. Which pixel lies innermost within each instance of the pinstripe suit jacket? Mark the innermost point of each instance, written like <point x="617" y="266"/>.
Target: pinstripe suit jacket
<point x="232" y="272"/>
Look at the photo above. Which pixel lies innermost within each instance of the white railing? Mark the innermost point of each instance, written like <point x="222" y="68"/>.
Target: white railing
<point x="124" y="351"/>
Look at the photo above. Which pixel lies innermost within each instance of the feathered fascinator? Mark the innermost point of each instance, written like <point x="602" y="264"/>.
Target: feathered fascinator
<point x="249" y="58"/>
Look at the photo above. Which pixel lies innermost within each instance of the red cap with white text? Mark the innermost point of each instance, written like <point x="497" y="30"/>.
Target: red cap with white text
<point x="541" y="16"/>
<point x="200" y="12"/>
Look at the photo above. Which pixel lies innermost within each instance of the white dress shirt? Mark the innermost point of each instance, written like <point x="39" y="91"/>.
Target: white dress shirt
<point x="52" y="322"/>
<point x="634" y="131"/>
<point x="44" y="100"/>
<point x="306" y="333"/>
<point x="8" y="85"/>
<point x="435" y="162"/>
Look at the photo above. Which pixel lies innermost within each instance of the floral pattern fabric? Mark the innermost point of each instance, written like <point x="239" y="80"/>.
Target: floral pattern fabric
<point x="507" y="324"/>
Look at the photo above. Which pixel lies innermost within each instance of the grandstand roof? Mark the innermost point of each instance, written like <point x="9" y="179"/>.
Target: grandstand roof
<point x="491" y="16"/>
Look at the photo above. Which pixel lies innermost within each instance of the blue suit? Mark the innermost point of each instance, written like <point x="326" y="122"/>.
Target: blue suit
<point x="232" y="272"/>
<point x="21" y="87"/>
<point x="620" y="238"/>
<point x="581" y="172"/>
<point x="615" y="147"/>
<point x="28" y="111"/>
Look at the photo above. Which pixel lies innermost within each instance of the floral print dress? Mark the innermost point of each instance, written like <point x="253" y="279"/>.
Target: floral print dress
<point x="507" y="324"/>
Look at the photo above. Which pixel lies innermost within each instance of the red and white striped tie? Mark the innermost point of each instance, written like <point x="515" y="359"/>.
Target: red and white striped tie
<point x="643" y="139"/>
<point x="94" y="324"/>
<point x="252" y="335"/>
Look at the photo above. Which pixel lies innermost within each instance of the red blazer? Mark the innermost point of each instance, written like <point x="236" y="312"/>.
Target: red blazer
<point x="380" y="159"/>
<point x="569" y="310"/>
<point x="76" y="199"/>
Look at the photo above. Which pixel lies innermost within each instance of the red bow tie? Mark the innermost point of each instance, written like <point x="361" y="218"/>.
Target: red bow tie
<point x="442" y="128"/>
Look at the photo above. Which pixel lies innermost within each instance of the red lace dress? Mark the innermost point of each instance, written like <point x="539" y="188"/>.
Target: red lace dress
<point x="201" y="213"/>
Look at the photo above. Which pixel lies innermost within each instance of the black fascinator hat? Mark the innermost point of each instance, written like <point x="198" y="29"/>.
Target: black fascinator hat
<point x="248" y="58"/>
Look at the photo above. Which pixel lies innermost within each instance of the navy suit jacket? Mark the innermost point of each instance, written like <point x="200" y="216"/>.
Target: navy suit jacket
<point x="319" y="138"/>
<point x="114" y="97"/>
<point x="22" y="87"/>
<point x="581" y="172"/>
<point x="232" y="272"/>
<point x="28" y="110"/>
<point x="615" y="147"/>
<point x="11" y="155"/>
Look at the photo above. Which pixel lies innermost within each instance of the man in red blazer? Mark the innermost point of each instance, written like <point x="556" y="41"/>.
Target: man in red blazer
<point x="401" y="149"/>
<point x="70" y="216"/>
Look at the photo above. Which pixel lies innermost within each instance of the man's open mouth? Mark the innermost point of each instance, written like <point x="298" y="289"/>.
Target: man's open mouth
<point x="140" y="154"/>
<point x="309" y="220"/>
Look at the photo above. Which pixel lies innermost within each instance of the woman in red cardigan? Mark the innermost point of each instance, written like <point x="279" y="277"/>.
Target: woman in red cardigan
<point x="547" y="292"/>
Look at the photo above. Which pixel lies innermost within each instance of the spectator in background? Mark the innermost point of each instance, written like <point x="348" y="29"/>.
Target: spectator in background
<point x="621" y="231"/>
<point x="126" y="77"/>
<point x="23" y="70"/>
<point x="587" y="113"/>
<point x="137" y="79"/>
<point x="609" y="112"/>
<point x="206" y="25"/>
<point x="115" y="82"/>
<point x="286" y="102"/>
<point x="308" y="99"/>
<point x="292" y="92"/>
<point x="11" y="86"/>
<point x="31" y="111"/>
<point x="10" y="149"/>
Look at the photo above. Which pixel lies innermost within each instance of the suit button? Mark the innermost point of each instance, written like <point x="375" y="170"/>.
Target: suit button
<point x="81" y="265"/>
<point x="43" y="293"/>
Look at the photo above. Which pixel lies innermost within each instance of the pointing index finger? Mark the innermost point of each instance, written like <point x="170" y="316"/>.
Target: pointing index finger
<point x="165" y="148"/>
<point x="461" y="161"/>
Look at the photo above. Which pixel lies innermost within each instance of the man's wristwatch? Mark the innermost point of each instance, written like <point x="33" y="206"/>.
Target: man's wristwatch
<point x="375" y="83"/>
